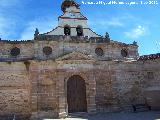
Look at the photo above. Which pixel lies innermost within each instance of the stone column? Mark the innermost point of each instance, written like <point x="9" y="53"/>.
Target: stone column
<point x="92" y="94"/>
<point x="61" y="95"/>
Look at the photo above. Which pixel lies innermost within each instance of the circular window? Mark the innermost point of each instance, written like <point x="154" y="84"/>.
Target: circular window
<point x="124" y="53"/>
<point x="15" y="51"/>
<point x="99" y="52"/>
<point x="47" y="50"/>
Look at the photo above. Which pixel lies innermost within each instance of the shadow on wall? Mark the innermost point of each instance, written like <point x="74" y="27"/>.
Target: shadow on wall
<point x="153" y="115"/>
<point x="153" y="98"/>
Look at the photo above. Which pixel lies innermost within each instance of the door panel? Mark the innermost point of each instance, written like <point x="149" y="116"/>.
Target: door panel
<point x="76" y="94"/>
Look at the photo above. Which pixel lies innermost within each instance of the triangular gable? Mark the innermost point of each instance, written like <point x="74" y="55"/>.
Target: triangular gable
<point x="75" y="56"/>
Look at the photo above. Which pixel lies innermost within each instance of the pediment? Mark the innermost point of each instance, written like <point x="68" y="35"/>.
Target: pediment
<point x="75" y="56"/>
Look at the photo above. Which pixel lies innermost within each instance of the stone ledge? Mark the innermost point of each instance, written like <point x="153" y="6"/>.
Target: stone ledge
<point x="15" y="116"/>
<point x="43" y="115"/>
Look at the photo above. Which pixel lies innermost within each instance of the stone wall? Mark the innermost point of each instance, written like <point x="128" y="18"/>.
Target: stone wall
<point x="26" y="50"/>
<point x="129" y="84"/>
<point x="122" y="84"/>
<point x="34" y="50"/>
<point x="14" y="90"/>
<point x="39" y="86"/>
<point x="44" y="91"/>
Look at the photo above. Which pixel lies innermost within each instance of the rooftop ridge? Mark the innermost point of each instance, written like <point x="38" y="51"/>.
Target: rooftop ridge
<point x="149" y="57"/>
<point x="16" y="41"/>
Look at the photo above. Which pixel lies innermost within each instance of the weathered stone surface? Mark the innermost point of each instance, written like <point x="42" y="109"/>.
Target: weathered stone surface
<point x="111" y="86"/>
<point x="14" y="101"/>
<point x="36" y="83"/>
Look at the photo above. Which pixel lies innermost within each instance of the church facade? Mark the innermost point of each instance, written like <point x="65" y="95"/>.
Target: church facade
<point x="72" y="69"/>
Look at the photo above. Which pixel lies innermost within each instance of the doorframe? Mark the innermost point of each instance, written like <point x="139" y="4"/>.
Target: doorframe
<point x="90" y="90"/>
<point x="61" y="86"/>
<point x="83" y="86"/>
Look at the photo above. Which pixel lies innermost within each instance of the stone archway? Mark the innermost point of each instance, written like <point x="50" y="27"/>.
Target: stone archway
<point x="76" y="94"/>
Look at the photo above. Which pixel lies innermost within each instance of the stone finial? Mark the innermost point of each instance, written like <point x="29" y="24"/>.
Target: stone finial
<point x="107" y="38"/>
<point x="36" y="33"/>
<point x="134" y="43"/>
<point x="107" y="35"/>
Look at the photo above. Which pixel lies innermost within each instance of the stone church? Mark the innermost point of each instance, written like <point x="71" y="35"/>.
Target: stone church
<point x="73" y="69"/>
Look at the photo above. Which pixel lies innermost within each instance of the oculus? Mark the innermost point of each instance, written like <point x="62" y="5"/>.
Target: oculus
<point x="47" y="50"/>
<point x="15" y="51"/>
<point x="99" y="51"/>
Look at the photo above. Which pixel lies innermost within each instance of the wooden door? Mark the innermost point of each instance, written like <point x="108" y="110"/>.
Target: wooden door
<point x="76" y="94"/>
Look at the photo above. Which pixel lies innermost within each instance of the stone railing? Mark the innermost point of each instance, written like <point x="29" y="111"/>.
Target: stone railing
<point x="149" y="57"/>
<point x="75" y="39"/>
<point x="16" y="41"/>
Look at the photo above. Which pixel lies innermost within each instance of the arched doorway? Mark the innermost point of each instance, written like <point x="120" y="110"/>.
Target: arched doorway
<point x="79" y="30"/>
<point x="67" y="30"/>
<point x="76" y="94"/>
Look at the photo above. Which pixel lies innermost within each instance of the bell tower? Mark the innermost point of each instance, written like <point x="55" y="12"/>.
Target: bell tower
<point x="72" y="22"/>
<point x="72" y="16"/>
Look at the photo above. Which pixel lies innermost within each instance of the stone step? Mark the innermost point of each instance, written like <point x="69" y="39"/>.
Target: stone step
<point x="78" y="114"/>
<point x="43" y="115"/>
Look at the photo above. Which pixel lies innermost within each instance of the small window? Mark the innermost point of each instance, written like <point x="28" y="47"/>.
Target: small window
<point x="67" y="30"/>
<point x="150" y="75"/>
<point x="79" y="30"/>
<point x="124" y="52"/>
<point x="15" y="51"/>
<point x="99" y="52"/>
<point x="47" y="50"/>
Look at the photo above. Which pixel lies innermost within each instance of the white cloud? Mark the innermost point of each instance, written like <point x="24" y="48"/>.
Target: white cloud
<point x="112" y="22"/>
<point x="43" y="24"/>
<point x="121" y="20"/>
<point x="8" y="20"/>
<point x="157" y="42"/>
<point x="116" y="22"/>
<point x="9" y="24"/>
<point x="6" y="26"/>
<point x="136" y="32"/>
<point x="2" y="24"/>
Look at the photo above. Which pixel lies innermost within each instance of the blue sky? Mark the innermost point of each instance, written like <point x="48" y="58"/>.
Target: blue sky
<point x="141" y="23"/>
